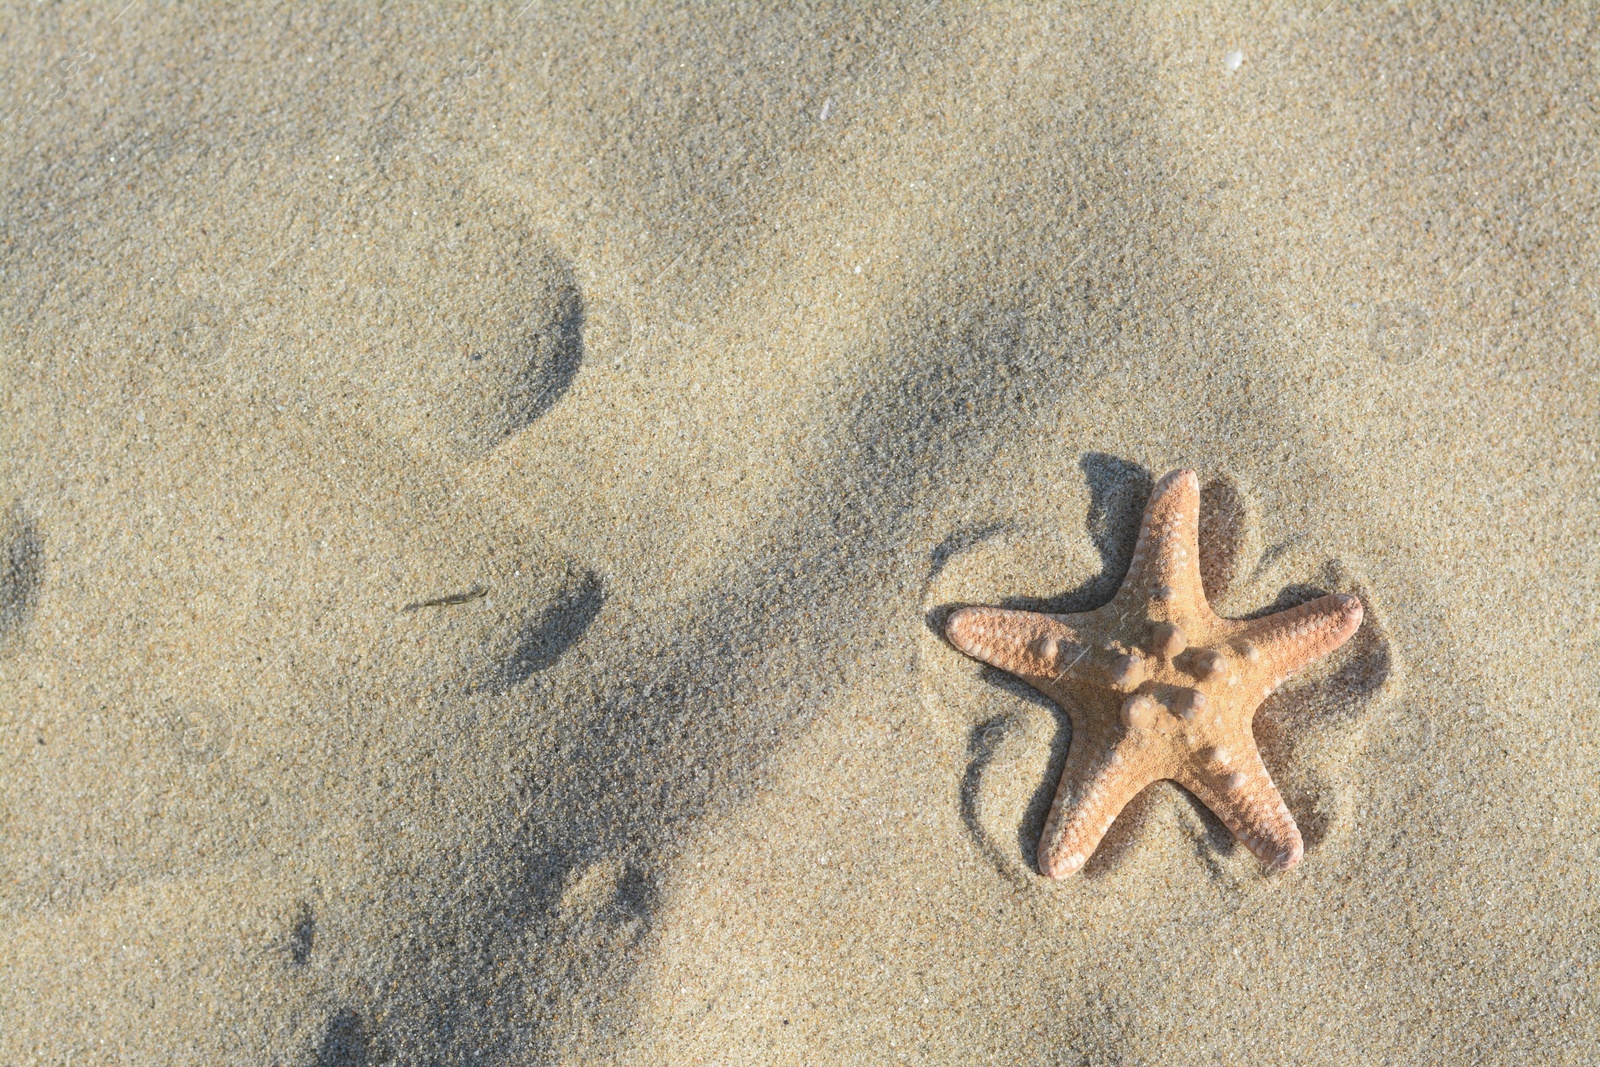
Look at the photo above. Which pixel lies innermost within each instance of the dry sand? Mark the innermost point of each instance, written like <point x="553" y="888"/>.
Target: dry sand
<point x="699" y="360"/>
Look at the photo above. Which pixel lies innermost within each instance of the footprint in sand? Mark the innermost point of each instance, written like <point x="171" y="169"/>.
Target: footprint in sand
<point x="1309" y="733"/>
<point x="483" y="330"/>
<point x="482" y="323"/>
<point x="545" y="630"/>
<point x="514" y="365"/>
<point x="440" y="319"/>
<point x="200" y="332"/>
<point x="507" y="622"/>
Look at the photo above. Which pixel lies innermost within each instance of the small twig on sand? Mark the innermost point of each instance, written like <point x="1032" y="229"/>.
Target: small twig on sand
<point x="473" y="593"/>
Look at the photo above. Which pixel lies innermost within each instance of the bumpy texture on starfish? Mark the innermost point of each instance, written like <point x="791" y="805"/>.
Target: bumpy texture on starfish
<point x="1158" y="686"/>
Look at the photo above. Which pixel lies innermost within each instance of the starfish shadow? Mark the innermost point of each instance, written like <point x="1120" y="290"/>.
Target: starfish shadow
<point x="1128" y="830"/>
<point x="1301" y="729"/>
<point x="988" y="806"/>
<point x="1224" y="521"/>
<point x="1118" y="489"/>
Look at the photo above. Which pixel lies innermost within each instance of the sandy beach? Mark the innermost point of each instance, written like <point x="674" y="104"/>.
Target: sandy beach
<point x="481" y="490"/>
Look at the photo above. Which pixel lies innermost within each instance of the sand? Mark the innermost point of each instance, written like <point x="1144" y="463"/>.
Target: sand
<point x="478" y="490"/>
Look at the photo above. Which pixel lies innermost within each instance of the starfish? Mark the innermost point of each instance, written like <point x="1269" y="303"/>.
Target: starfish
<point x="1158" y="686"/>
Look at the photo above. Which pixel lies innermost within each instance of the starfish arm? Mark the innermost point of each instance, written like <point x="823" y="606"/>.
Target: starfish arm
<point x="1291" y="639"/>
<point x="1040" y="649"/>
<point x="1244" y="797"/>
<point x="1096" y="784"/>
<point x="1166" y="558"/>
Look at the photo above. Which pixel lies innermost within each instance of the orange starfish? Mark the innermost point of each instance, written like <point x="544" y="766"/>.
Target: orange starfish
<point x="1158" y="686"/>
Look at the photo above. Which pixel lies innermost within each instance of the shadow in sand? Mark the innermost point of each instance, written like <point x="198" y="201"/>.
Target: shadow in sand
<point x="21" y="570"/>
<point x="540" y="641"/>
<point x="547" y="358"/>
<point x="348" y="1042"/>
